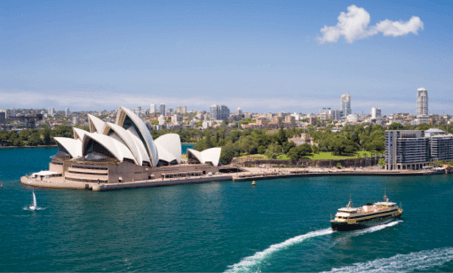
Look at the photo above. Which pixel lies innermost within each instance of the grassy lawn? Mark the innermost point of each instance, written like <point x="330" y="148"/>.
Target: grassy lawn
<point x="320" y="156"/>
<point x="257" y="156"/>
<point x="328" y="155"/>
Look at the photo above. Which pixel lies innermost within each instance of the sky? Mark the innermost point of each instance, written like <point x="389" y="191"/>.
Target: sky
<point x="261" y="56"/>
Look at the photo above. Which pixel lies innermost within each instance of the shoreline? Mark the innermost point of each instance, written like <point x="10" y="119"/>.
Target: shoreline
<point x="51" y="146"/>
<point x="249" y="174"/>
<point x="40" y="146"/>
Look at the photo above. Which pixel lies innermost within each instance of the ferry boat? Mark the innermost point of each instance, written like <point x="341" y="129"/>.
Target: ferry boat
<point x="350" y="218"/>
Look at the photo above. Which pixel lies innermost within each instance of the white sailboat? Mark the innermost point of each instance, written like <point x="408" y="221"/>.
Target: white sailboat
<point x="33" y="206"/>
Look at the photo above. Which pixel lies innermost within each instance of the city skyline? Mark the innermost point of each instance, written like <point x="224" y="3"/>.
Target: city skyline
<point x="268" y="57"/>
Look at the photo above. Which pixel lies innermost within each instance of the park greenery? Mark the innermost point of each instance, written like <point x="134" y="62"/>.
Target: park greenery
<point x="35" y="137"/>
<point x="352" y="141"/>
<point x="348" y="142"/>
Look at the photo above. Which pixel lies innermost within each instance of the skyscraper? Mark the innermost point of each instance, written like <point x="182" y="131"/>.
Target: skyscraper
<point x="152" y="109"/>
<point x="346" y="105"/>
<point x="138" y="111"/>
<point x="219" y="112"/>
<point x="162" y="109"/>
<point x="375" y="113"/>
<point x="422" y="102"/>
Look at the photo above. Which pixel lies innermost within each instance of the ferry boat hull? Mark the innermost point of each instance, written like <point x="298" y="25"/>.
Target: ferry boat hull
<point x="345" y="226"/>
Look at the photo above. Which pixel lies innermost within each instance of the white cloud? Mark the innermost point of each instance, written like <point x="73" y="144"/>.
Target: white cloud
<point x="353" y="25"/>
<point x="391" y="28"/>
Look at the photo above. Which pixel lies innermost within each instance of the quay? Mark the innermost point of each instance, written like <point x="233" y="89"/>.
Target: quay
<point x="275" y="173"/>
<point x="246" y="174"/>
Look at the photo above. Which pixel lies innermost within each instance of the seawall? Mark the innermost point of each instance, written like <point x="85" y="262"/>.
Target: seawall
<point x="250" y="174"/>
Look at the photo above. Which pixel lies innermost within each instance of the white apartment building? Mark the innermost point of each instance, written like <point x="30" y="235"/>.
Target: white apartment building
<point x="375" y="113"/>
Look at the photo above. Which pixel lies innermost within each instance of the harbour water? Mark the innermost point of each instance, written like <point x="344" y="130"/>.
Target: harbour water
<point x="277" y="225"/>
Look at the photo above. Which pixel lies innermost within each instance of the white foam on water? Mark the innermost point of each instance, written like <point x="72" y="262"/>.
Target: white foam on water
<point x="423" y="260"/>
<point x="376" y="228"/>
<point x="38" y="208"/>
<point x="249" y="263"/>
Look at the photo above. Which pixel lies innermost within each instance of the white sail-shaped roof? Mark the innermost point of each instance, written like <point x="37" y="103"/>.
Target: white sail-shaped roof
<point x="72" y="146"/>
<point x="78" y="133"/>
<point x="95" y="124"/>
<point x="142" y="131"/>
<point x="131" y="140"/>
<point x="171" y="143"/>
<point x="117" y="148"/>
<point x="165" y="155"/>
<point x="209" y="155"/>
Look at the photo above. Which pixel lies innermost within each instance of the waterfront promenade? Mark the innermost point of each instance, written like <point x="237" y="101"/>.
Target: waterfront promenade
<point x="246" y="174"/>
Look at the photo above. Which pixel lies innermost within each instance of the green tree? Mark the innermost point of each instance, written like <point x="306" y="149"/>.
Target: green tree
<point x="228" y="152"/>
<point x="315" y="149"/>
<point x="381" y="162"/>
<point x="46" y="136"/>
<point x="35" y="139"/>
<point x="273" y="151"/>
<point x="395" y="126"/>
<point x="299" y="151"/>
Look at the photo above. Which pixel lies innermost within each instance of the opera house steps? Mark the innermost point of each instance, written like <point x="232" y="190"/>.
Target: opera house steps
<point x="86" y="177"/>
<point x="88" y="171"/>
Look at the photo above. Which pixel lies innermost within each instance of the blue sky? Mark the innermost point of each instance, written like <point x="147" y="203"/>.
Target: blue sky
<point x="258" y="55"/>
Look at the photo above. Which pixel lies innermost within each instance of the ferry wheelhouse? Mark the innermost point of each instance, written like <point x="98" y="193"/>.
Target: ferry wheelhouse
<point x="350" y="218"/>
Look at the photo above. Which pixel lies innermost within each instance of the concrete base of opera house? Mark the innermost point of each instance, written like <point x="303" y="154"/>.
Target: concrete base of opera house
<point x="59" y="183"/>
<point x="104" y="176"/>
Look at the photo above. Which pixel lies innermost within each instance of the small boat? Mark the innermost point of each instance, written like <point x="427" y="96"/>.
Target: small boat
<point x="33" y="206"/>
<point x="350" y="218"/>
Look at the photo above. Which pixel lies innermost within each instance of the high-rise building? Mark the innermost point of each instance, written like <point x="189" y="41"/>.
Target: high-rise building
<point x="219" y="112"/>
<point x="50" y="112"/>
<point x="161" y="119"/>
<point x="138" y="111"/>
<point x="66" y="112"/>
<point x="422" y="102"/>
<point x="375" y="113"/>
<point x="75" y="120"/>
<point x="13" y="112"/>
<point x="184" y="110"/>
<point x="4" y="111"/>
<point x="152" y="109"/>
<point x="346" y="105"/>
<point x="414" y="149"/>
<point x="178" y="109"/>
<point x="175" y="119"/>
<point x="162" y="109"/>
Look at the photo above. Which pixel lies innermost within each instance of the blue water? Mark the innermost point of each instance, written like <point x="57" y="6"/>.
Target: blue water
<point x="277" y="225"/>
<point x="184" y="147"/>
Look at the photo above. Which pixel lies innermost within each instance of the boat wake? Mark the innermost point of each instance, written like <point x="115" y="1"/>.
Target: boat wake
<point x="376" y="228"/>
<point x="250" y="263"/>
<point x="423" y="260"/>
<point x="37" y="208"/>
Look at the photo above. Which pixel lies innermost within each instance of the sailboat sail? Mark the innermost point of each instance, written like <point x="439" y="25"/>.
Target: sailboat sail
<point x="34" y="199"/>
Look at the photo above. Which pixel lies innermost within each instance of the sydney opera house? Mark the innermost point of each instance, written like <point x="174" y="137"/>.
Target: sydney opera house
<point x="125" y="151"/>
